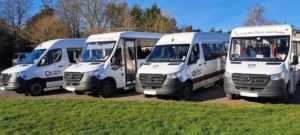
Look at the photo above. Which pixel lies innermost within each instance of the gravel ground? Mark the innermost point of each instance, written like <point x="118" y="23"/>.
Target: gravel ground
<point x="213" y="94"/>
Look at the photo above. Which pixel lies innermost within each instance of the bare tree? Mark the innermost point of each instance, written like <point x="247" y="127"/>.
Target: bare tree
<point x="16" y="13"/>
<point x="69" y="11"/>
<point x="47" y="28"/>
<point x="256" y="16"/>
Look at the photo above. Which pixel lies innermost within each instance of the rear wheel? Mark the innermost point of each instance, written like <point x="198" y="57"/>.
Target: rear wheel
<point x="79" y="92"/>
<point x="35" y="88"/>
<point x="186" y="92"/>
<point x="107" y="89"/>
<point x="231" y="96"/>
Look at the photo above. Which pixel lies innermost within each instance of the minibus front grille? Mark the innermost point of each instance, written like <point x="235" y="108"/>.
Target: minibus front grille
<point x="73" y="76"/>
<point x="152" y="78"/>
<point x="257" y="80"/>
<point x="4" y="77"/>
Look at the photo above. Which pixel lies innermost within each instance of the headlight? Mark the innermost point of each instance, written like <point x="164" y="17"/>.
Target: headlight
<point x="17" y="74"/>
<point x="173" y="75"/>
<point x="277" y="76"/>
<point x="96" y="73"/>
<point x="227" y="74"/>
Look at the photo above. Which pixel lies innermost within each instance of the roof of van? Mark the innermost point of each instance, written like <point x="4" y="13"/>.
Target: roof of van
<point x="264" y="30"/>
<point x="190" y="37"/>
<point x="48" y="44"/>
<point x="126" y="34"/>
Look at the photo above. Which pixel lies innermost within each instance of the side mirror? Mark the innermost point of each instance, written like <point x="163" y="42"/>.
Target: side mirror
<point x="114" y="61"/>
<point x="43" y="62"/>
<point x="295" y="60"/>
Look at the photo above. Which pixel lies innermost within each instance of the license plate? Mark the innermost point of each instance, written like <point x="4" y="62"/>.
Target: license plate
<point x="150" y="92"/>
<point x="247" y="94"/>
<point x="2" y="88"/>
<point x="70" y="88"/>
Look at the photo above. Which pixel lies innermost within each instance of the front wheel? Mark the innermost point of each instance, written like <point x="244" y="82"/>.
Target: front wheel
<point x="231" y="96"/>
<point x="285" y="98"/>
<point x="186" y="92"/>
<point x="107" y="89"/>
<point x="35" y="88"/>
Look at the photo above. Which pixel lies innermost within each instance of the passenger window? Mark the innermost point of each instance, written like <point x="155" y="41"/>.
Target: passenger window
<point x="216" y="51"/>
<point x="208" y="52"/>
<point x="118" y="55"/>
<point x="51" y="57"/>
<point x="221" y="48"/>
<point x="73" y="54"/>
<point x="144" y="47"/>
<point x="194" y="55"/>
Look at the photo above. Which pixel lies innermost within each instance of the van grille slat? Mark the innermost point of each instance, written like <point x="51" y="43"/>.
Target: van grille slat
<point x="257" y="80"/>
<point x="73" y="76"/>
<point x="156" y="78"/>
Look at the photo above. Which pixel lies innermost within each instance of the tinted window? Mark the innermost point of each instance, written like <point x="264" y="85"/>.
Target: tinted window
<point x="73" y="54"/>
<point x="144" y="47"/>
<point x="51" y="57"/>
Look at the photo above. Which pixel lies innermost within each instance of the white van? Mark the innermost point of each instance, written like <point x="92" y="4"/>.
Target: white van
<point x="43" y="68"/>
<point x="109" y="62"/>
<point x="18" y="58"/>
<point x="183" y="62"/>
<point x="262" y="62"/>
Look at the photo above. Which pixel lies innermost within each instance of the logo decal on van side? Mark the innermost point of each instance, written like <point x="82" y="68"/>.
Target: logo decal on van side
<point x="251" y="65"/>
<point x="48" y="73"/>
<point x="194" y="73"/>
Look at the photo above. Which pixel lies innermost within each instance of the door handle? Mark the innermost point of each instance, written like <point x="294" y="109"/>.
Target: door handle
<point x="60" y="66"/>
<point x="200" y="64"/>
<point x="204" y="63"/>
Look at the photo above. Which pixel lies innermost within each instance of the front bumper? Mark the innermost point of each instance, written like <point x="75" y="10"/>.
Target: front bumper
<point x="86" y="84"/>
<point x="273" y="89"/>
<point x="169" y="87"/>
<point x="14" y="84"/>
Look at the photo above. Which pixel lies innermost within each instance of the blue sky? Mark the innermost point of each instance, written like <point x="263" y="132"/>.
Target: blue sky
<point x="223" y="14"/>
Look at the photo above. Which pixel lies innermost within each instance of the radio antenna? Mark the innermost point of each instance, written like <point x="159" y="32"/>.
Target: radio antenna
<point x="284" y="19"/>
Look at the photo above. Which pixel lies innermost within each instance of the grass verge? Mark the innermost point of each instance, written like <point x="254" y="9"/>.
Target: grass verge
<point x="55" y="116"/>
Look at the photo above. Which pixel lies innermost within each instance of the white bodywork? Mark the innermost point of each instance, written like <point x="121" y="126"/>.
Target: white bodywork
<point x="51" y="74"/>
<point x="203" y="73"/>
<point x="271" y="68"/>
<point x="123" y="41"/>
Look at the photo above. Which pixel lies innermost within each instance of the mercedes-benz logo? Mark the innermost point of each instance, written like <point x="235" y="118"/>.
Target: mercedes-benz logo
<point x="150" y="78"/>
<point x="248" y="79"/>
<point x="70" y="76"/>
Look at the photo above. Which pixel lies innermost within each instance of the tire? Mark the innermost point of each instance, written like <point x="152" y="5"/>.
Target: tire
<point x="78" y="92"/>
<point x="35" y="88"/>
<point x="231" y="96"/>
<point x="186" y="92"/>
<point x="107" y="89"/>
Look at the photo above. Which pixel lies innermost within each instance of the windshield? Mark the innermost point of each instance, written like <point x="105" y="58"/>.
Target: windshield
<point x="33" y="56"/>
<point x="268" y="48"/>
<point x="15" y="56"/>
<point x="169" y="53"/>
<point x="96" y="51"/>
